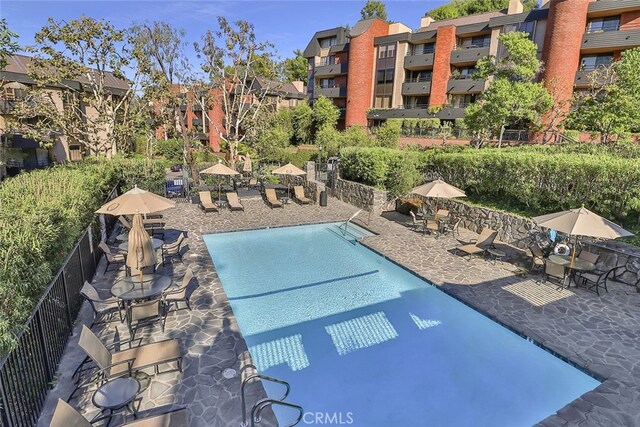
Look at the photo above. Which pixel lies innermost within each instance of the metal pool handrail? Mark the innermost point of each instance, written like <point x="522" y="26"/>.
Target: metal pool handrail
<point x="263" y="403"/>
<point x="346" y="223"/>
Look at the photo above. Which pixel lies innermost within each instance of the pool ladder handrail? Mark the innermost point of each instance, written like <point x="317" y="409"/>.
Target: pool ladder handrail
<point x="263" y="403"/>
<point x="346" y="223"/>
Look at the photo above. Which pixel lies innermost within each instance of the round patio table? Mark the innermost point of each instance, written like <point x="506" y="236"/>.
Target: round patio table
<point x="578" y="264"/>
<point x="157" y="243"/>
<point x="130" y="288"/>
<point x="116" y="394"/>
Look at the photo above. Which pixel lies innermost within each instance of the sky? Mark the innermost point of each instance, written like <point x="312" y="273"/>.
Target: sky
<point x="289" y="25"/>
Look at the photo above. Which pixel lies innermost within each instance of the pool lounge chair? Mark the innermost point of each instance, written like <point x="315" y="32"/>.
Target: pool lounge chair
<point x="484" y="242"/>
<point x="234" y="202"/>
<point x="272" y="199"/>
<point x="298" y="193"/>
<point x="206" y="203"/>
<point x="65" y="415"/>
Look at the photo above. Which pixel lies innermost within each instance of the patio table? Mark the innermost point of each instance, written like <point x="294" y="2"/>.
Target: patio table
<point x="130" y="288"/>
<point x="116" y="394"/>
<point x="578" y="265"/>
<point x="157" y="244"/>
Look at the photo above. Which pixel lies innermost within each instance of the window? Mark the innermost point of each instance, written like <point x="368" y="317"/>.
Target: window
<point x="462" y="101"/>
<point x="382" y="101"/>
<point x="419" y="76"/>
<point x="610" y="23"/>
<point x="416" y="102"/>
<point x="385" y="76"/>
<point x="382" y="52"/>
<point x="528" y="27"/>
<point x="422" y="49"/>
<point x="328" y="42"/>
<point x="327" y="83"/>
<point x="327" y="60"/>
<point x="475" y="42"/>
<point x="391" y="51"/>
<point x="591" y="62"/>
<point x="464" y="73"/>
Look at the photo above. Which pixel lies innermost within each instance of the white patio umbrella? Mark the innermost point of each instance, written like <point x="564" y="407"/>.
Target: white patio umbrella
<point x="438" y="189"/>
<point x="135" y="201"/>
<point x="581" y="222"/>
<point x="289" y="170"/>
<point x="220" y="170"/>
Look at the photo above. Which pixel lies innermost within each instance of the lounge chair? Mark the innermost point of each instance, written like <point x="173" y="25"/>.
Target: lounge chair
<point x="103" y="309"/>
<point x="555" y="273"/>
<point x="66" y="416"/>
<point x="298" y="192"/>
<point x="178" y="293"/>
<point x="253" y="184"/>
<point x="126" y="361"/>
<point x="110" y="257"/>
<point x="272" y="199"/>
<point x="234" y="202"/>
<point x="206" y="203"/>
<point x="173" y="249"/>
<point x="484" y="242"/>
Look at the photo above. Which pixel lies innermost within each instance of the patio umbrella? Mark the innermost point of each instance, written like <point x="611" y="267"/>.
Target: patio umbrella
<point x="247" y="165"/>
<point x="289" y="170"/>
<point x="581" y="222"/>
<point x="438" y="189"/>
<point x="220" y="170"/>
<point x="135" y="201"/>
<point x="140" y="253"/>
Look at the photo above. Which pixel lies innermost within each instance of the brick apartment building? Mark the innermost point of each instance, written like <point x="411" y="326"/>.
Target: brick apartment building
<point x="378" y="70"/>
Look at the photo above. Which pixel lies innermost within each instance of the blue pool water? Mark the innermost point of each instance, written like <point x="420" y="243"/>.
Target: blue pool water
<point x="365" y="343"/>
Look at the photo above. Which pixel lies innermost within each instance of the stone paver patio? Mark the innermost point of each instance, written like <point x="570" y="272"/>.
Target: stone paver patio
<point x="599" y="334"/>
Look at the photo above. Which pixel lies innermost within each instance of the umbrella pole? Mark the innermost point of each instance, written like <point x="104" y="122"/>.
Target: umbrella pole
<point x="573" y="252"/>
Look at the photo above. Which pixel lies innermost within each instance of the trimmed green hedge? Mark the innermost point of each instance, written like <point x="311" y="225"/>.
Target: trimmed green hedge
<point x="534" y="179"/>
<point x="42" y="215"/>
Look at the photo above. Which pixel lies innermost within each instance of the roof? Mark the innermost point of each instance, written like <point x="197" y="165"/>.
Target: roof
<point x="287" y="90"/>
<point x="313" y="48"/>
<point x="465" y="20"/>
<point x="19" y="65"/>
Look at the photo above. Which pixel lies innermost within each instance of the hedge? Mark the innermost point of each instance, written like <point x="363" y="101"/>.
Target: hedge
<point x="530" y="178"/>
<point x="42" y="215"/>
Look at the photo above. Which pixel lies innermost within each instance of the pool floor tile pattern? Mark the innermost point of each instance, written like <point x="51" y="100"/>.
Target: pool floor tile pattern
<point x="599" y="333"/>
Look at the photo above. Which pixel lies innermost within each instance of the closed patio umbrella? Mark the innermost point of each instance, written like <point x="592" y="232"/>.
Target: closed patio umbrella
<point x="140" y="252"/>
<point x="220" y="170"/>
<point x="581" y="222"/>
<point x="135" y="201"/>
<point x="438" y="189"/>
<point x="247" y="166"/>
<point x="289" y="170"/>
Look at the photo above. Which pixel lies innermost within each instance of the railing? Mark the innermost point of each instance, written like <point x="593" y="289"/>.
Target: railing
<point x="328" y="60"/>
<point x="423" y="52"/>
<point x="261" y="404"/>
<point x="417" y="79"/>
<point x="417" y="132"/>
<point x="28" y="370"/>
<point x="414" y="107"/>
<point x="603" y="29"/>
<point x="461" y="77"/>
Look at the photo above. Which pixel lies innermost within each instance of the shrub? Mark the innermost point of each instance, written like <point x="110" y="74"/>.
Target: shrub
<point x="388" y="134"/>
<point x="330" y="139"/>
<point x="170" y="149"/>
<point x="356" y="136"/>
<point x="431" y="123"/>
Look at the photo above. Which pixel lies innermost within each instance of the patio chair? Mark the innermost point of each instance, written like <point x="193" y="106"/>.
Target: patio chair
<point x="109" y="256"/>
<point x="555" y="273"/>
<point x="272" y="199"/>
<point x="253" y="183"/>
<point x="206" y="203"/>
<point x="102" y="308"/>
<point x="234" y="202"/>
<point x="147" y="313"/>
<point x="173" y="249"/>
<point x="416" y="224"/>
<point x="65" y="415"/>
<point x="590" y="257"/>
<point x="594" y="280"/>
<point x="124" y="222"/>
<point x="298" y="193"/>
<point x="537" y="257"/>
<point x="178" y="293"/>
<point x="484" y="242"/>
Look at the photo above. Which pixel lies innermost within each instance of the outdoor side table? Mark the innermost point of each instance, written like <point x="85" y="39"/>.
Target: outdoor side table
<point x="496" y="254"/>
<point x="115" y="395"/>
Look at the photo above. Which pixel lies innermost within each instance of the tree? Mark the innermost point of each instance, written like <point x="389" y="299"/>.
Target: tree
<point x="8" y="46"/>
<point x="610" y="107"/>
<point x="374" y="9"/>
<point x="388" y="134"/>
<point x="229" y="60"/>
<point x="95" y="115"/>
<point x="458" y="8"/>
<point x="513" y="98"/>
<point x="296" y="68"/>
<point x="302" y="124"/>
<point x="325" y="114"/>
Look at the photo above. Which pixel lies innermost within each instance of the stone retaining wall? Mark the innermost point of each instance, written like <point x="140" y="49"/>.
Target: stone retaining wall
<point x="364" y="197"/>
<point x="312" y="189"/>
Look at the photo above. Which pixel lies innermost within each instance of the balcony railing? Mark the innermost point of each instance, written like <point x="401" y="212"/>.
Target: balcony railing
<point x="591" y="67"/>
<point x="415" y="106"/>
<point x="604" y="28"/>
<point x="462" y="76"/>
<point x="326" y="61"/>
<point x="417" y="79"/>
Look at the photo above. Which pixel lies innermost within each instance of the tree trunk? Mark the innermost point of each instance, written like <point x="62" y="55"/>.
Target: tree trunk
<point x="501" y="135"/>
<point x="187" y="153"/>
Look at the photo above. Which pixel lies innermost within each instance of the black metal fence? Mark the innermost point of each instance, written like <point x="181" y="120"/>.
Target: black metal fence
<point x="28" y="371"/>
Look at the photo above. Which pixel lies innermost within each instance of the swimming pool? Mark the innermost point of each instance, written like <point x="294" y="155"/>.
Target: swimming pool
<point x="364" y="342"/>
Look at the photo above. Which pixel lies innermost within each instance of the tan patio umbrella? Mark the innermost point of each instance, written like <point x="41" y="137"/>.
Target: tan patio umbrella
<point x="140" y="253"/>
<point x="289" y="170"/>
<point x="438" y="189"/>
<point x="135" y="201"/>
<point x="581" y="222"/>
<point x="220" y="170"/>
<point x="247" y="166"/>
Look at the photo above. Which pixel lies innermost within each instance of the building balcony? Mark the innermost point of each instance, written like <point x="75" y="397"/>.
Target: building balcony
<point x="416" y="88"/>
<point x="602" y="7"/>
<point x="461" y="86"/>
<point x="607" y="41"/>
<point x="452" y="113"/>
<point x="330" y="70"/>
<point x="196" y="122"/>
<point x="399" y="113"/>
<point x="468" y="56"/>
<point x="330" y="92"/>
<point x="418" y="62"/>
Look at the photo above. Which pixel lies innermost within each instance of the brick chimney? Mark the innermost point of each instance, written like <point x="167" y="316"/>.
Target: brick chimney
<point x="515" y="6"/>
<point x="425" y="21"/>
<point x="299" y="85"/>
